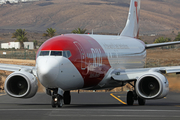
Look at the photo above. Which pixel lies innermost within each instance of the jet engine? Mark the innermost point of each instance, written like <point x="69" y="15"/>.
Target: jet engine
<point x="21" y="85"/>
<point x="152" y="85"/>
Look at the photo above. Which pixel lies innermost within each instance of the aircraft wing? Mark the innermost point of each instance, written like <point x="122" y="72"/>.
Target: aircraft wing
<point x="13" y="68"/>
<point x="161" y="44"/>
<point x="129" y="75"/>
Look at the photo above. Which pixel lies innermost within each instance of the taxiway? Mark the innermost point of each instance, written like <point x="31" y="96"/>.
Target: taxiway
<point x="90" y="106"/>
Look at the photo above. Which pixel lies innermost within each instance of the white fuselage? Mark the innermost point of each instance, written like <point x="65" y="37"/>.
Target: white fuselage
<point x="122" y="52"/>
<point x="93" y="58"/>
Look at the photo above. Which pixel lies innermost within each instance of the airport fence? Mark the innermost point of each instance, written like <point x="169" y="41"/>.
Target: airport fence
<point x="31" y="55"/>
<point x="18" y="54"/>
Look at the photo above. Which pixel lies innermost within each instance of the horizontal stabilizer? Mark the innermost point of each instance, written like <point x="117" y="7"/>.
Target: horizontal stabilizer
<point x="161" y="44"/>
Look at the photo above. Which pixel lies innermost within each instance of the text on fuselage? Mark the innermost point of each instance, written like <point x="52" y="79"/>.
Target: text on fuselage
<point x="115" y="46"/>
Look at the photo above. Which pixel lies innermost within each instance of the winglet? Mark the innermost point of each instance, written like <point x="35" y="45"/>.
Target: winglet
<point x="132" y="25"/>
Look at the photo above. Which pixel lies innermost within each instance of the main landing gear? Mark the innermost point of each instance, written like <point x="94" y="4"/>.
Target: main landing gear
<point x="132" y="96"/>
<point x="58" y="96"/>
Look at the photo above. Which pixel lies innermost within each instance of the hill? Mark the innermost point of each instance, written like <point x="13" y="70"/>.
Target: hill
<point x="103" y="16"/>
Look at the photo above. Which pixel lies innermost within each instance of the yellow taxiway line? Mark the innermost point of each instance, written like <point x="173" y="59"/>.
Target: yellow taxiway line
<point x="118" y="99"/>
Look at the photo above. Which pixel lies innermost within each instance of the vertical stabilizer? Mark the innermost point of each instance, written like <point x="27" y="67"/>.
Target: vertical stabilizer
<point x="132" y="26"/>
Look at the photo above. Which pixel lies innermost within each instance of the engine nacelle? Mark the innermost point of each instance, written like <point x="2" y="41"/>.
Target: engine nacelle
<point x="152" y="85"/>
<point x="21" y="85"/>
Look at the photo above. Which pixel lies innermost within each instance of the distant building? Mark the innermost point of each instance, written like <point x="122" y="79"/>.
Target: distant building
<point x="11" y="1"/>
<point x="10" y="45"/>
<point x="28" y="0"/>
<point x="28" y="45"/>
<point x="4" y="46"/>
<point x="15" y="1"/>
<point x="16" y="45"/>
<point x="2" y="1"/>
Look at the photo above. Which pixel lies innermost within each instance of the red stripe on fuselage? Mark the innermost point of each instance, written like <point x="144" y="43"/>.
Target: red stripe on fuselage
<point x="136" y="5"/>
<point x="87" y="56"/>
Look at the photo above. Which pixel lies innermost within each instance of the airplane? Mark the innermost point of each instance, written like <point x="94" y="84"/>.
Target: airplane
<point x="92" y="62"/>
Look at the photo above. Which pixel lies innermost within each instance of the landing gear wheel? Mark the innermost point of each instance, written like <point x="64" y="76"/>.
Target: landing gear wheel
<point x="130" y="98"/>
<point x="57" y="100"/>
<point x="141" y="101"/>
<point x="67" y="97"/>
<point x="60" y="101"/>
<point x="53" y="103"/>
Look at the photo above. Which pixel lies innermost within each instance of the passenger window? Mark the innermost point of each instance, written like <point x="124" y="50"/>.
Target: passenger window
<point x="44" y="53"/>
<point x="56" y="53"/>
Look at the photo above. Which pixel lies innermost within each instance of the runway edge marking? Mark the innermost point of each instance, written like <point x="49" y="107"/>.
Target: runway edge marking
<point x="118" y="99"/>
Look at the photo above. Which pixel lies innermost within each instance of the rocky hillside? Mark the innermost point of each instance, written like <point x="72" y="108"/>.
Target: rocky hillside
<point x="103" y="16"/>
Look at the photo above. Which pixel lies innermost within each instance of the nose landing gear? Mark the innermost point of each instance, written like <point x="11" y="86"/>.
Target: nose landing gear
<point x="57" y="99"/>
<point x="59" y="96"/>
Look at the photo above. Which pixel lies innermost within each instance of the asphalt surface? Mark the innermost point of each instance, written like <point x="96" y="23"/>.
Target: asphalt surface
<point x="89" y="106"/>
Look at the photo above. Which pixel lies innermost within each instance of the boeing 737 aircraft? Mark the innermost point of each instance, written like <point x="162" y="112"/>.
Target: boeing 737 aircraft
<point x="92" y="62"/>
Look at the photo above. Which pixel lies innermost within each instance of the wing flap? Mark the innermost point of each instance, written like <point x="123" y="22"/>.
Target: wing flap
<point x="12" y="68"/>
<point x="168" y="70"/>
<point x="130" y="75"/>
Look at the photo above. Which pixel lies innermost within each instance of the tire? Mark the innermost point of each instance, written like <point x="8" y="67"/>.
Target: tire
<point x="130" y="98"/>
<point x="60" y="101"/>
<point x="53" y="103"/>
<point x="141" y="101"/>
<point x="67" y="97"/>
